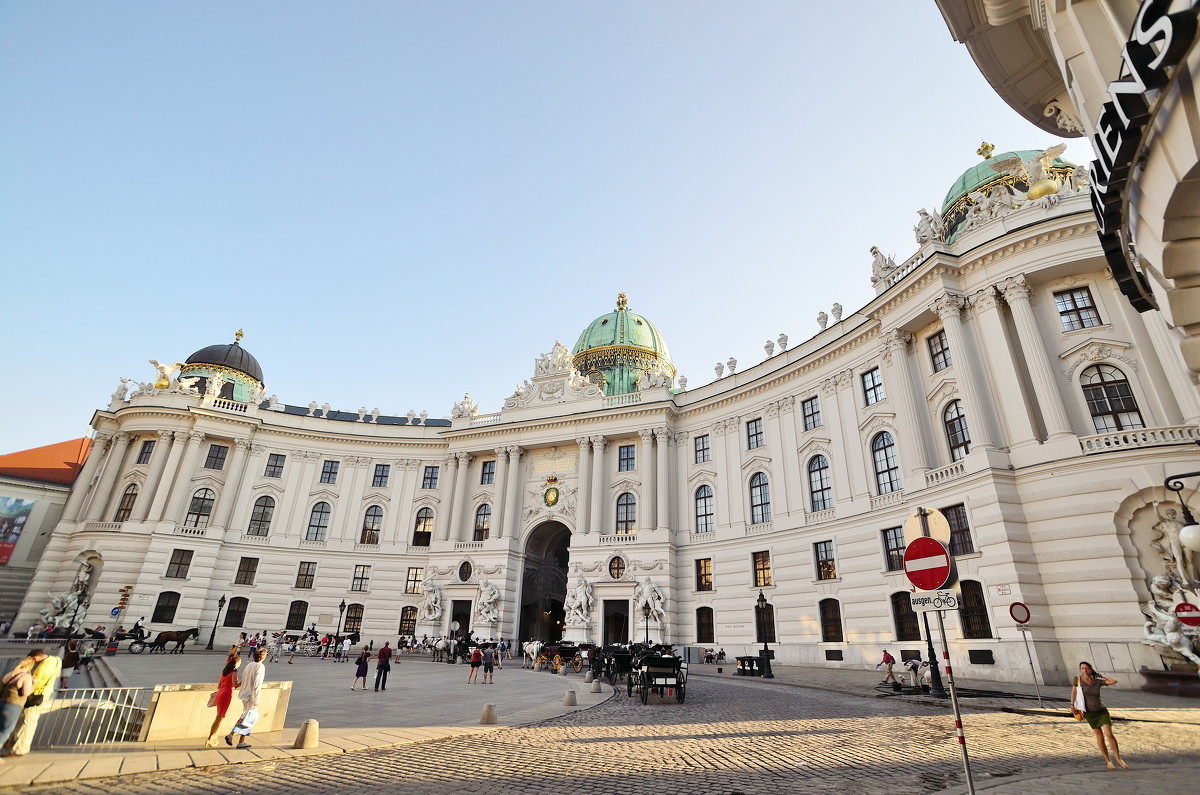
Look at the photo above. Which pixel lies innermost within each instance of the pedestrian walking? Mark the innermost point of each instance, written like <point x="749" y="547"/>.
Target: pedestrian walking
<point x="292" y="650"/>
<point x="489" y="659"/>
<point x="223" y="696"/>
<point x="502" y="649"/>
<point x="383" y="664"/>
<point x="70" y="662"/>
<point x="250" y="693"/>
<point x="886" y="665"/>
<point x="364" y="658"/>
<point x="476" y="662"/>
<point x="15" y="688"/>
<point x="86" y="652"/>
<point x="45" y="672"/>
<point x="1085" y="701"/>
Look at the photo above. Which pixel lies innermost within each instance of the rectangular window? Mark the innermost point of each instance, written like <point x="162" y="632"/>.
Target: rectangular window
<point x="939" y="351"/>
<point x="181" y="561"/>
<point x="960" y="531"/>
<point x="275" y="463"/>
<point x="826" y="565"/>
<point x="1076" y="309"/>
<point x="362" y="578"/>
<point x="811" y="409"/>
<point x="754" y="434"/>
<point x="762" y="569"/>
<point x="872" y="382"/>
<point x="216" y="456"/>
<point x="893" y="548"/>
<point x="430" y="479"/>
<point x="627" y="458"/>
<point x="703" y="452"/>
<point x="329" y="471"/>
<point x="415" y="575"/>
<point x="144" y="453"/>
<point x="247" y="568"/>
<point x="487" y="476"/>
<point x="704" y="580"/>
<point x="382" y="473"/>
<point x="306" y="574"/>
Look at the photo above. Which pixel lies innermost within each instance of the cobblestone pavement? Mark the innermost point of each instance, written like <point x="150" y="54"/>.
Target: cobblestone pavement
<point x="731" y="736"/>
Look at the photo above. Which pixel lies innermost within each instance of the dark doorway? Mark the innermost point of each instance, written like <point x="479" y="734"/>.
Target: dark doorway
<point x="460" y="611"/>
<point x="544" y="583"/>
<point x="616" y="621"/>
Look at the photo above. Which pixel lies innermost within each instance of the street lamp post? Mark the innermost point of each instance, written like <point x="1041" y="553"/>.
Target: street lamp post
<point x="213" y="635"/>
<point x="935" y="679"/>
<point x="646" y="618"/>
<point x="1189" y="534"/>
<point x="341" y="610"/>
<point x="765" y="663"/>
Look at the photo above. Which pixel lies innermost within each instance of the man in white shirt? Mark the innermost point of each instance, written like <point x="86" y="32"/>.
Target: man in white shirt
<point x="252" y="681"/>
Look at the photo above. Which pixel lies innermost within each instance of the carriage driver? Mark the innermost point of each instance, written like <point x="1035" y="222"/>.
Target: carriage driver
<point x="138" y="630"/>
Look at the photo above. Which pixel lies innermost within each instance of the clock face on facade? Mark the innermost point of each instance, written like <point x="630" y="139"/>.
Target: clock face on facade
<point x="616" y="568"/>
<point x="464" y="571"/>
<point x="551" y="497"/>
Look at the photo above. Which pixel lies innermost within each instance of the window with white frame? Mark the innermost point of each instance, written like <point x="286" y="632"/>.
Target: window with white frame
<point x="704" y="509"/>
<point x="820" y="491"/>
<point x="887" y="466"/>
<point x="872" y="384"/>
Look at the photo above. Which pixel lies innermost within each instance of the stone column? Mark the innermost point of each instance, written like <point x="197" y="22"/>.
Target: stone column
<point x="158" y="462"/>
<point x="410" y="471"/>
<point x="841" y="390"/>
<point x="162" y="493"/>
<point x="462" y="520"/>
<point x="722" y="499"/>
<point x="240" y="518"/>
<point x="1013" y="408"/>
<point x="82" y="488"/>
<point x="113" y="463"/>
<point x="514" y="500"/>
<point x="662" y="438"/>
<point x="298" y="469"/>
<point x="788" y="444"/>
<point x="780" y="486"/>
<point x="232" y="493"/>
<point x="913" y="445"/>
<point x="499" y="499"/>
<point x="949" y="308"/>
<point x="649" y="507"/>
<point x="181" y="489"/>
<point x="739" y="496"/>
<point x="583" y="514"/>
<point x="352" y="502"/>
<point x="1045" y="388"/>
<point x="446" y="523"/>
<point x="598" y="496"/>
<point x="1167" y="347"/>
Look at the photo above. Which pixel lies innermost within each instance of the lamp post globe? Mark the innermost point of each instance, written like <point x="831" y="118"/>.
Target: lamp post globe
<point x="1189" y="537"/>
<point x="765" y="664"/>
<point x="212" y="635"/>
<point x="646" y="611"/>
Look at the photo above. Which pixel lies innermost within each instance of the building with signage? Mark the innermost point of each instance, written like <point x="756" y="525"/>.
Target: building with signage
<point x="997" y="376"/>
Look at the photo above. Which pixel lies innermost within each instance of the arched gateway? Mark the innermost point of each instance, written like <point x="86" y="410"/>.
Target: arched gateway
<point x="544" y="582"/>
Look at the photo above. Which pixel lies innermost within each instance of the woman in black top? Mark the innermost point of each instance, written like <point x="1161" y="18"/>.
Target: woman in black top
<point x="1096" y="713"/>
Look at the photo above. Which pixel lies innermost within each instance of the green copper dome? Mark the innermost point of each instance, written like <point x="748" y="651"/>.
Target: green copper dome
<point x="982" y="175"/>
<point x="618" y="347"/>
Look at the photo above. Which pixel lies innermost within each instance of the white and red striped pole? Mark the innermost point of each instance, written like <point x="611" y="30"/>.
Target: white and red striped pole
<point x="958" y="727"/>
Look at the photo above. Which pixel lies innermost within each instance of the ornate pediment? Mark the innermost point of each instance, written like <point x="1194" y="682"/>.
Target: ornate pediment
<point x="1096" y="351"/>
<point x="756" y="462"/>
<point x="555" y="380"/>
<point x="943" y="391"/>
<point x="703" y="475"/>
<point x="814" y="446"/>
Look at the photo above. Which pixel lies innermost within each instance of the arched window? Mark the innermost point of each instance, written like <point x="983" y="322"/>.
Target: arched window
<point x="704" y="509"/>
<point x="372" y="524"/>
<point x="483" y="522"/>
<point x="626" y="514"/>
<point x="354" y="616"/>
<point x="297" y="612"/>
<point x="704" y="625"/>
<point x="818" y="484"/>
<point x="408" y="621"/>
<point x="764" y="623"/>
<point x="831" y="621"/>
<point x="164" y="608"/>
<point x="125" y="507"/>
<point x="260" y="517"/>
<point x="904" y="617"/>
<point x="235" y="612"/>
<point x="887" y="469"/>
<point x="957" y="434"/>
<point x="974" y="612"/>
<point x="760" y="499"/>
<point x="1109" y="399"/>
<point x="423" y="529"/>
<point x="200" y="508"/>
<point x="318" y="522"/>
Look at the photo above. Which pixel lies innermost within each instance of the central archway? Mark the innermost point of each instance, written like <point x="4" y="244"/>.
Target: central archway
<point x="544" y="582"/>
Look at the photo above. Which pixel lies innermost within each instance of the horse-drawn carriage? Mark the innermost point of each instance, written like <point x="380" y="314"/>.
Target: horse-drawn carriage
<point x="555" y="656"/>
<point x="658" y="671"/>
<point x="159" y="644"/>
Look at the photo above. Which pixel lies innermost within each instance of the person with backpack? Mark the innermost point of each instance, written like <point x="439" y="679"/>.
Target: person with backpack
<point x="886" y="666"/>
<point x="476" y="662"/>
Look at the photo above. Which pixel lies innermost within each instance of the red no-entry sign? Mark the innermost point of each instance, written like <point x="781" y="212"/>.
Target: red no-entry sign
<point x="927" y="563"/>
<point x="1188" y="613"/>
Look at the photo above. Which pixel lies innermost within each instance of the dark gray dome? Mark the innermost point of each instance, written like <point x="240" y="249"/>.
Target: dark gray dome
<point x="233" y="356"/>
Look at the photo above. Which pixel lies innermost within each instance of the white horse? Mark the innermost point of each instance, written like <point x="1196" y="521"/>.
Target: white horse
<point x="530" y="652"/>
<point x="441" y="647"/>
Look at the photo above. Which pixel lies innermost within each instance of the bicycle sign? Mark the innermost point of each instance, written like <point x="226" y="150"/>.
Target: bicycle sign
<point x="931" y="601"/>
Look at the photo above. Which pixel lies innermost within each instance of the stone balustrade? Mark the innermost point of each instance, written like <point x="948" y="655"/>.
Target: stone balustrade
<point x="935" y="477"/>
<point x="1139" y="437"/>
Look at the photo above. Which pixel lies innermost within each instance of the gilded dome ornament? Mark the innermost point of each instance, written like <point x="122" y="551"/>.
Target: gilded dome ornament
<point x="985" y="150"/>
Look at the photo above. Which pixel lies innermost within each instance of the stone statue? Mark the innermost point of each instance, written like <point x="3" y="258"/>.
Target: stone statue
<point x="165" y="371"/>
<point x="312" y="408"/>
<point x="325" y="409"/>
<point x="69" y="609"/>
<point x="215" y="382"/>
<point x="654" y="377"/>
<point x="881" y="266"/>
<point x="362" y="413"/>
<point x="683" y="383"/>
<point x="822" y="320"/>
<point x="118" y="395"/>
<point x="375" y="415"/>
<point x="769" y="347"/>
<point x="431" y="603"/>
<point x="1033" y="170"/>
<point x="256" y="395"/>
<point x="488" y="606"/>
<point x="732" y="364"/>
<point x="273" y="403"/>
<point x="580" y="602"/>
<point x="719" y="369"/>
<point x="467" y="408"/>
<point x="424" y="416"/>
<point x="1180" y="561"/>
<point x="1171" y="636"/>
<point x="648" y="592"/>
<point x="783" y="338"/>
<point x="836" y="311"/>
<point x="929" y="227"/>
<point x="187" y="386"/>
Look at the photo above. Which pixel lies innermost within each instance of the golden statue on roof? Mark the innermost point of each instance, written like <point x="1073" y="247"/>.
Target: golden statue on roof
<point x="985" y="150"/>
<point x="237" y="336"/>
<point x="622" y="302"/>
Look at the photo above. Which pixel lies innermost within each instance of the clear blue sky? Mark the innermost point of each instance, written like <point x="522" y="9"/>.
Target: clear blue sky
<point x="401" y="202"/>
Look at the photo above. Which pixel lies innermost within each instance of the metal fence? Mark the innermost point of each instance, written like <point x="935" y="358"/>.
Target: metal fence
<point x="90" y="715"/>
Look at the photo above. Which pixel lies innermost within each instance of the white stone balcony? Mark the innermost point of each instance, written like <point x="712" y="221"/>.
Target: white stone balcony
<point x="366" y="547"/>
<point x="468" y="546"/>
<point x="759" y="529"/>
<point x="307" y="544"/>
<point x="253" y="539"/>
<point x="816" y="517"/>
<point x="194" y="532"/>
<point x="616" y="401"/>
<point x="229" y="405"/>
<point x="935" y="477"/>
<point x="885" y="500"/>
<point x="102" y="527"/>
<point x="1141" y="437"/>
<point x="617" y="538"/>
<point x="485" y="419"/>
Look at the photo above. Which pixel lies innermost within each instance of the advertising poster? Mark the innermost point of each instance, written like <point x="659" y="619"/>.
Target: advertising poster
<point x="14" y="513"/>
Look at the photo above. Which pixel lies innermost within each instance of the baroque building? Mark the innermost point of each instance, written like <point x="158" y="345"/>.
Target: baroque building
<point x="997" y="376"/>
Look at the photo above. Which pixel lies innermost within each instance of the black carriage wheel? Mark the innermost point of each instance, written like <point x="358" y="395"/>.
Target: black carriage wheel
<point x="645" y="688"/>
<point x="137" y="647"/>
<point x="629" y="685"/>
<point x="679" y="692"/>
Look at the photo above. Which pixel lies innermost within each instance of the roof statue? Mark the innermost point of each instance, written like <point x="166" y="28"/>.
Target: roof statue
<point x="881" y="266"/>
<point x="1034" y="171"/>
<point x="929" y="227"/>
<point x="467" y="408"/>
<point x="165" y="371"/>
<point x="985" y="150"/>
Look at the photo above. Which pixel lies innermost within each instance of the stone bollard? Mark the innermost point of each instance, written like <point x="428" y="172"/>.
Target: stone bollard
<point x="489" y="714"/>
<point x="569" y="699"/>
<point x="566" y="669"/>
<point x="587" y="678"/>
<point x="597" y="686"/>
<point x="309" y="736"/>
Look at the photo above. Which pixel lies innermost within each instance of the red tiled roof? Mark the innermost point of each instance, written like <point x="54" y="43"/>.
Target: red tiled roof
<point x="54" y="463"/>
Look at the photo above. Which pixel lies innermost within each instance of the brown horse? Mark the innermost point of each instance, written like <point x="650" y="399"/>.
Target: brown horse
<point x="178" y="638"/>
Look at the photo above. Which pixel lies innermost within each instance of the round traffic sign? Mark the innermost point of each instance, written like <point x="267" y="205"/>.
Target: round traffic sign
<point x="116" y="611"/>
<point x="927" y="563"/>
<point x="1019" y="612"/>
<point x="1188" y="613"/>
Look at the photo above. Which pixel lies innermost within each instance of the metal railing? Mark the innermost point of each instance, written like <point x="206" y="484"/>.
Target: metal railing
<point x="92" y="715"/>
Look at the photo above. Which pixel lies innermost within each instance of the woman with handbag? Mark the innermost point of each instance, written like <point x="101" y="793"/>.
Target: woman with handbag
<point x="15" y="688"/>
<point x="46" y="669"/>
<point x="1086" y="705"/>
<point x="250" y="693"/>
<point x="222" y="697"/>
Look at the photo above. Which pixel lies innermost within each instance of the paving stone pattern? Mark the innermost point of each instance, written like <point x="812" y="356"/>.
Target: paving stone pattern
<point x="729" y="737"/>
